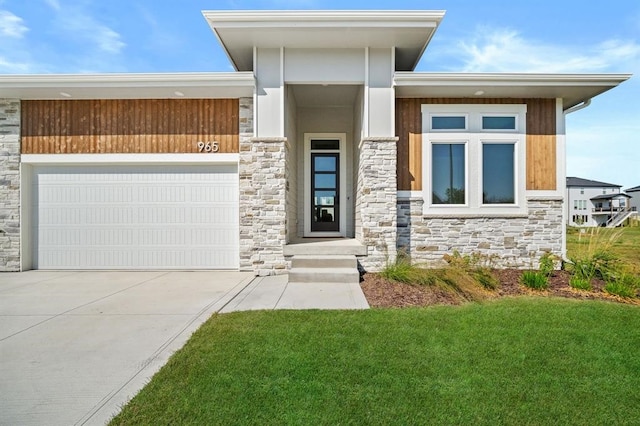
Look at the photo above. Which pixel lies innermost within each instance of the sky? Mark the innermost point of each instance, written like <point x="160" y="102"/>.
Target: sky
<point x="542" y="36"/>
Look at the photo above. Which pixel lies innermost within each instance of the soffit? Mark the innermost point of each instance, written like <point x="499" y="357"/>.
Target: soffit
<point x="572" y="88"/>
<point x="324" y="96"/>
<point x="408" y="31"/>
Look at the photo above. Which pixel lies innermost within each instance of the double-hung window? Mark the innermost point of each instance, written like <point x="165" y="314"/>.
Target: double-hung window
<point x="473" y="159"/>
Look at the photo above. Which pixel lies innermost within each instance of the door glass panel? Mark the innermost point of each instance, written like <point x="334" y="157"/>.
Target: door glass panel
<point x="325" y="192"/>
<point x="318" y="145"/>
<point x="325" y="181"/>
<point x="325" y="214"/>
<point x="325" y="164"/>
<point x="325" y="198"/>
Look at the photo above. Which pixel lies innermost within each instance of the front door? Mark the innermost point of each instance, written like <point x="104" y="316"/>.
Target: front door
<point x="325" y="191"/>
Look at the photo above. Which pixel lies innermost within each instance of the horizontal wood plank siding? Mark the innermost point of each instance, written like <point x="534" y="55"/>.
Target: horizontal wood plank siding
<point x="541" y="139"/>
<point x="128" y="126"/>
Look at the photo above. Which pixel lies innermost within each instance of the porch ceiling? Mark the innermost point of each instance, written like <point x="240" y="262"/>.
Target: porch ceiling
<point x="324" y="96"/>
<point x="240" y="31"/>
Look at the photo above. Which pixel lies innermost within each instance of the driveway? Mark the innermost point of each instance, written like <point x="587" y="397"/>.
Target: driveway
<point x="75" y="346"/>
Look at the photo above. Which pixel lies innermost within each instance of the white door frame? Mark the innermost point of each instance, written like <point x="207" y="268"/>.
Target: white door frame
<point x="342" y="138"/>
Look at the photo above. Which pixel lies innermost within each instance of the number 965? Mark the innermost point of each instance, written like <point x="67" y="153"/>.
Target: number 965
<point x="208" y="146"/>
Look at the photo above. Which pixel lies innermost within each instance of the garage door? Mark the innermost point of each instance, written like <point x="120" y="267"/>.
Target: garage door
<point x="135" y="217"/>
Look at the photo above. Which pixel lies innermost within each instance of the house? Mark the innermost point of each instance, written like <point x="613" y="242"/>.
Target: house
<point x="323" y="141"/>
<point x="593" y="203"/>
<point x="634" y="202"/>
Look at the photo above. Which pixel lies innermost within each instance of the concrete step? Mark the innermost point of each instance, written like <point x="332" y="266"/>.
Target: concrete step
<point x="324" y="275"/>
<point x="325" y="247"/>
<point x="324" y="261"/>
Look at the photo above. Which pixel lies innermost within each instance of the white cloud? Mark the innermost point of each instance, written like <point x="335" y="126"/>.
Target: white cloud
<point x="54" y="4"/>
<point x="75" y="21"/>
<point x="505" y="50"/>
<point x="82" y="26"/>
<point x="13" y="67"/>
<point x="11" y="25"/>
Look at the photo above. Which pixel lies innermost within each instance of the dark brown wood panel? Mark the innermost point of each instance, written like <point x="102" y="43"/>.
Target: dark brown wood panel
<point x="129" y="126"/>
<point x="541" y="139"/>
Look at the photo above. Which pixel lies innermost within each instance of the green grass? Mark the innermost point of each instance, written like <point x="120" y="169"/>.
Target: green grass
<point x="515" y="361"/>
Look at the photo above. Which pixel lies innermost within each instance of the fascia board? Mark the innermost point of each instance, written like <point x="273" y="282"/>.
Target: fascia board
<point x="129" y="86"/>
<point x="243" y="79"/>
<point x="507" y="79"/>
<point x="330" y="18"/>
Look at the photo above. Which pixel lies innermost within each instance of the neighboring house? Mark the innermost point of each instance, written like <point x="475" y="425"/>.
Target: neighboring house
<point x="323" y="140"/>
<point x="634" y="202"/>
<point x="593" y="203"/>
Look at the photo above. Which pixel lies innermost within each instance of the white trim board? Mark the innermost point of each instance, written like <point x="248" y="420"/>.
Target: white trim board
<point x="205" y="158"/>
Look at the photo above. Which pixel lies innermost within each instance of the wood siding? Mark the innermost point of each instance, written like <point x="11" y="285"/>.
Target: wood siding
<point x="128" y="126"/>
<point x="541" y="139"/>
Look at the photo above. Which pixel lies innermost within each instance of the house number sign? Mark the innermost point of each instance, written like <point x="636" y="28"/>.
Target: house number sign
<point x="213" y="146"/>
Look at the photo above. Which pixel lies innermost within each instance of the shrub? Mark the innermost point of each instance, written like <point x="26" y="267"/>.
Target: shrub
<point x="400" y="270"/>
<point x="626" y="285"/>
<point x="596" y="260"/>
<point x="475" y="265"/>
<point x="620" y="288"/>
<point x="535" y="280"/>
<point x="462" y="277"/>
<point x="403" y="271"/>
<point x="580" y="283"/>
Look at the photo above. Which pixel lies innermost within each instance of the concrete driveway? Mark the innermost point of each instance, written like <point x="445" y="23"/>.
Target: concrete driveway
<point x="75" y="346"/>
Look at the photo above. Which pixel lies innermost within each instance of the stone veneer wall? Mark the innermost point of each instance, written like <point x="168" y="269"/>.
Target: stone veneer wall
<point x="263" y="224"/>
<point x="376" y="221"/>
<point x="9" y="185"/>
<point x="516" y="242"/>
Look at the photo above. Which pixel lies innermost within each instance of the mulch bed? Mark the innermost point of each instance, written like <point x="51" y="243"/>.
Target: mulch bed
<point x="383" y="293"/>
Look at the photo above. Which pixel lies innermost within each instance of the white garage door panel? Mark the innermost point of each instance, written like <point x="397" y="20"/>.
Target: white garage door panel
<point x="136" y="217"/>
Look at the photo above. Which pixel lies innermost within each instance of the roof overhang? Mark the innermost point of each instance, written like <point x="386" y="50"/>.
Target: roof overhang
<point x="127" y="86"/>
<point x="574" y="89"/>
<point x="240" y="31"/>
<point x="610" y="196"/>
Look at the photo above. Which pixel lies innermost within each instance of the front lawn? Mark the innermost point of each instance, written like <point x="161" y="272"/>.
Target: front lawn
<point x="510" y="361"/>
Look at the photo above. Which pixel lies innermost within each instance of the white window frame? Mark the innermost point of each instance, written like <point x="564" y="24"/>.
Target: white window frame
<point x="474" y="138"/>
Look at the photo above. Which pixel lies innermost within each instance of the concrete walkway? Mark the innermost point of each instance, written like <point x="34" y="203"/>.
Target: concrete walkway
<point x="76" y="346"/>
<point x="274" y="292"/>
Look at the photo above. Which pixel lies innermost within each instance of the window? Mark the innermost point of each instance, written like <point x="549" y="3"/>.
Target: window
<point x="604" y="191"/>
<point x="498" y="178"/>
<point x="473" y="159"/>
<point x="581" y="191"/>
<point x="497" y="122"/>
<point x="448" y="122"/>
<point x="448" y="173"/>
